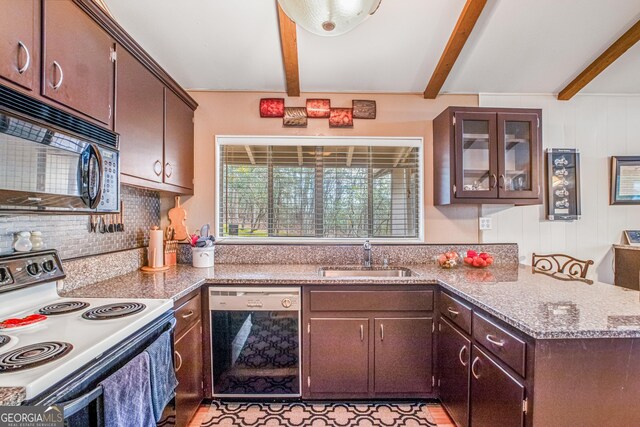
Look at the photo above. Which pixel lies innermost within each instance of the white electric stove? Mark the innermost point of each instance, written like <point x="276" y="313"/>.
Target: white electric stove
<point x="75" y="332"/>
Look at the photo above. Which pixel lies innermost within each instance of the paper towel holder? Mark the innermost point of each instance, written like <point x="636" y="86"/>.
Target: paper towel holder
<point x="151" y="257"/>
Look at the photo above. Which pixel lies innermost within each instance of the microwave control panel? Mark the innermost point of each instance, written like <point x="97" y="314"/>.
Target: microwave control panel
<point x="110" y="201"/>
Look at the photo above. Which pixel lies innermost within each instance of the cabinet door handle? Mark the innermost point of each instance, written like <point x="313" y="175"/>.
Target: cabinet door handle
<point x="452" y="311"/>
<point x="493" y="340"/>
<point x="59" y="83"/>
<point x="157" y="167"/>
<point x="462" y="350"/>
<point x="501" y="180"/>
<point x="473" y="368"/>
<point x="381" y="332"/>
<point x="179" y="360"/>
<point x="168" y="170"/>
<point x="188" y="314"/>
<point x="361" y="332"/>
<point x="494" y="179"/>
<point x="27" y="62"/>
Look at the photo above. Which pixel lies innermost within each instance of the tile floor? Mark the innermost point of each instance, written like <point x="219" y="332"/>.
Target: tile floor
<point x="437" y="411"/>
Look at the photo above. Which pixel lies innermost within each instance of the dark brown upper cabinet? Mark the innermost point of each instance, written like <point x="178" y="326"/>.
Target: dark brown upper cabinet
<point x="178" y="142"/>
<point x="485" y="155"/>
<point x="20" y="43"/>
<point x="157" y="148"/>
<point x="78" y="61"/>
<point x="139" y="119"/>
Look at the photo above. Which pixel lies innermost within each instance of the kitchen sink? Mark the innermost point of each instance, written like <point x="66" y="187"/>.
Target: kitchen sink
<point x="365" y="272"/>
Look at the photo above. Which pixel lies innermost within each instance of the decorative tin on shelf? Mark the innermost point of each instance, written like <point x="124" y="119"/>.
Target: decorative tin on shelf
<point x="625" y="180"/>
<point x="364" y="109"/>
<point x="295" y="117"/>
<point x="272" y="107"/>
<point x="563" y="184"/>
<point x="341" y="118"/>
<point x="318" y="108"/>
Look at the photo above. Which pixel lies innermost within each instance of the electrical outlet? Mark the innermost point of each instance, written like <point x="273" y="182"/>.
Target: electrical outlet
<point x="485" y="223"/>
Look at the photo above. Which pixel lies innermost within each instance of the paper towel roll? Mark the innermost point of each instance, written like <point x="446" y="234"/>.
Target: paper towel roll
<point x="155" y="253"/>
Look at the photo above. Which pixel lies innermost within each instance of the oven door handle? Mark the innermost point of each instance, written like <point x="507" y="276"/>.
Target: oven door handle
<point x="75" y="405"/>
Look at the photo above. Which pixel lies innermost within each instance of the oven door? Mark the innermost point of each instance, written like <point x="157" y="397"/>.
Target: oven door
<point x="80" y="394"/>
<point x="255" y="353"/>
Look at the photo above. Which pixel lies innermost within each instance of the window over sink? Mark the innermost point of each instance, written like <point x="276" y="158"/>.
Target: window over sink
<point x="310" y="188"/>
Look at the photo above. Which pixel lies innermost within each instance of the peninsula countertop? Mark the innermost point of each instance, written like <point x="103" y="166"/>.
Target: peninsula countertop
<point x="542" y="307"/>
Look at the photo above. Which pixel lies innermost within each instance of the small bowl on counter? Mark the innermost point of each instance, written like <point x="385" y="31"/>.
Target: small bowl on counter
<point x="448" y="260"/>
<point x="478" y="260"/>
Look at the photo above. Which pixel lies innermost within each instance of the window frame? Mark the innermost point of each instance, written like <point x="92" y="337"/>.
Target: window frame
<point x="221" y="140"/>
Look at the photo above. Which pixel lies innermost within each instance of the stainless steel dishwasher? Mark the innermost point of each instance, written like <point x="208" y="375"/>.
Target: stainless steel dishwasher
<point x="255" y="341"/>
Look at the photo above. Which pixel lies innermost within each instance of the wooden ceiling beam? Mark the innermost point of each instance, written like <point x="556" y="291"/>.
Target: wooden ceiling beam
<point x="608" y="57"/>
<point x="467" y="20"/>
<point x="289" y="43"/>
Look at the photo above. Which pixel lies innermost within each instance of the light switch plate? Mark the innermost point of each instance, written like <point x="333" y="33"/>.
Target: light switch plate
<point x="485" y="223"/>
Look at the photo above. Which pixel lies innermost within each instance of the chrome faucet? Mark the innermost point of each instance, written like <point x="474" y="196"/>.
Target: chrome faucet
<point x="366" y="261"/>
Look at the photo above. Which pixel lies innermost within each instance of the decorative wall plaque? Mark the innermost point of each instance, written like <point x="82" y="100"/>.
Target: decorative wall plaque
<point x="364" y="109"/>
<point x="341" y="118"/>
<point x="563" y="184"/>
<point x="295" y="117"/>
<point x="272" y="107"/>
<point x="318" y="108"/>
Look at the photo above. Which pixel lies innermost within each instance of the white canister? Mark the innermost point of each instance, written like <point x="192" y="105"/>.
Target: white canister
<point x="22" y="242"/>
<point x="203" y="257"/>
<point x="36" y="240"/>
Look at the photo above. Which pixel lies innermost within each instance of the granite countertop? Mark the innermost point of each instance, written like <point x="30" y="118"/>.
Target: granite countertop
<point x="174" y="283"/>
<point x="542" y="307"/>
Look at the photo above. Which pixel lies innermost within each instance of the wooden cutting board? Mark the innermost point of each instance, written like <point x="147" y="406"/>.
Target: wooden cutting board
<point x="177" y="216"/>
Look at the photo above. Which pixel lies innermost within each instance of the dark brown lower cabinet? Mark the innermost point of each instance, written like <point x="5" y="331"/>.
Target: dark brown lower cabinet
<point x="339" y="355"/>
<point x="496" y="397"/>
<point x="188" y="365"/>
<point x="454" y="353"/>
<point x="403" y="355"/>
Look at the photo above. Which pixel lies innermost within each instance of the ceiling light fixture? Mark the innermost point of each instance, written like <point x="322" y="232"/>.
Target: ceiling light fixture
<point x="329" y="17"/>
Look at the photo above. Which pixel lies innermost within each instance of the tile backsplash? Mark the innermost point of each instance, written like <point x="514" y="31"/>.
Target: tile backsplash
<point x="345" y="254"/>
<point x="71" y="236"/>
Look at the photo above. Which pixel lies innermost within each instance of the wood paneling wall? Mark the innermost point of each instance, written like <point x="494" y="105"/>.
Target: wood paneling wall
<point x="599" y="126"/>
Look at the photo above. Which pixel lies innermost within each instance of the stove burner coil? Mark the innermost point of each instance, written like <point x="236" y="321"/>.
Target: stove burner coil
<point x="33" y="355"/>
<point x="113" y="311"/>
<point x="4" y="339"/>
<point x="63" y="307"/>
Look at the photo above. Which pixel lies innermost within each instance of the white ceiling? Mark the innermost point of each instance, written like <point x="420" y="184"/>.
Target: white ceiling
<point x="518" y="46"/>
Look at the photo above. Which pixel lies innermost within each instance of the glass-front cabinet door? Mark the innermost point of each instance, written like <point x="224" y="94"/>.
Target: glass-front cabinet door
<point x="476" y="150"/>
<point x="518" y="155"/>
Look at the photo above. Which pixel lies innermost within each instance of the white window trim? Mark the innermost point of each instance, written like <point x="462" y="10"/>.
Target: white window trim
<point x="221" y="140"/>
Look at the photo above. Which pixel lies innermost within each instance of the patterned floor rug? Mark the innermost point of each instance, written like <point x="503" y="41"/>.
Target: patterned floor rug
<point x="317" y="414"/>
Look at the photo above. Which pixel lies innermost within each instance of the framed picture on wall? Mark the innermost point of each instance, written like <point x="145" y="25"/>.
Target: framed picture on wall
<point x="625" y="180"/>
<point x="563" y="184"/>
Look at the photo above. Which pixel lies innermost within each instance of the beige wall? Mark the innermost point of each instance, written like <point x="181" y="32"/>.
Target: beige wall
<point x="236" y="113"/>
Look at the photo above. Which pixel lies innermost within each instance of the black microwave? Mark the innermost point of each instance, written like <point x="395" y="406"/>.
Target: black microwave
<point x="51" y="161"/>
